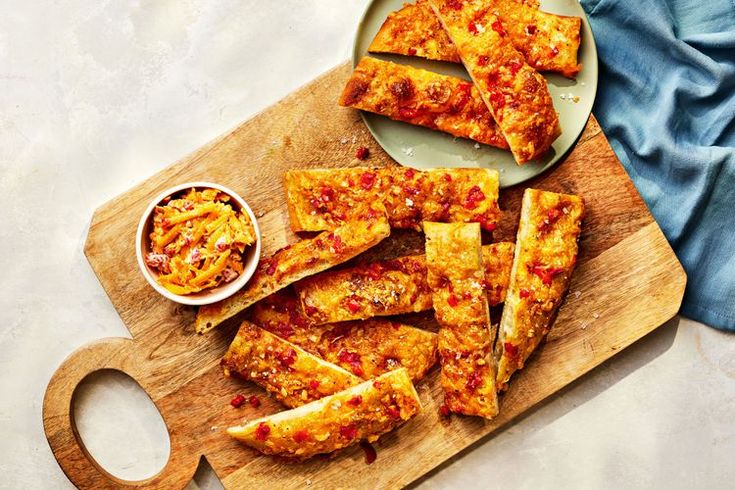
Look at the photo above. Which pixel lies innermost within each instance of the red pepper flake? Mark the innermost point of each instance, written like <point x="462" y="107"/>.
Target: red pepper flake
<point x="498" y="27"/>
<point x="283" y="329"/>
<point x="467" y="295"/>
<point x="444" y="410"/>
<point x="337" y="244"/>
<point x="515" y="66"/>
<point x="452" y="300"/>
<point x="410" y="173"/>
<point x="287" y="358"/>
<point x="353" y="305"/>
<point x="447" y="177"/>
<point x="377" y="385"/>
<point x="311" y="310"/>
<point x="454" y="4"/>
<point x="254" y="401"/>
<point x="474" y="196"/>
<point x="313" y="384"/>
<point x="485" y="223"/>
<point x="272" y="265"/>
<point x="411" y="191"/>
<point x="465" y="91"/>
<point x="374" y="271"/>
<point x="498" y="99"/>
<point x="362" y="153"/>
<point x="408" y="113"/>
<point x="367" y="180"/>
<point x="237" y="400"/>
<point x="355" y="400"/>
<point x="326" y="194"/>
<point x="301" y="436"/>
<point x="547" y="274"/>
<point x="393" y="412"/>
<point x="554" y="51"/>
<point x="353" y="360"/>
<point x="524" y="293"/>
<point x="348" y="431"/>
<point x="370" y="453"/>
<point x="511" y="349"/>
<point x="491" y="80"/>
<point x="472" y="27"/>
<point x="262" y="431"/>
<point x="474" y="381"/>
<point x="530" y="29"/>
<point x="483" y="60"/>
<point x="412" y="51"/>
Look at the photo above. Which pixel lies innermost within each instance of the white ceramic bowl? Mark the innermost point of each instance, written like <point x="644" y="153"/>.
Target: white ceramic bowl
<point x="208" y="296"/>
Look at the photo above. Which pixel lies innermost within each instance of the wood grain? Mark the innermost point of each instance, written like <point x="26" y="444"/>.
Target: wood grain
<point x="628" y="278"/>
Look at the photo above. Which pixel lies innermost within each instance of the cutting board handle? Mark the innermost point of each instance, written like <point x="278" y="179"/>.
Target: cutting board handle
<point x="58" y="419"/>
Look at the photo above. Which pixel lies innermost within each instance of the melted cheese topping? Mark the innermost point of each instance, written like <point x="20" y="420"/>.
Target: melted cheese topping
<point x="422" y="98"/>
<point x="320" y="199"/>
<point x="365" y="348"/>
<point x="365" y="411"/>
<point x="367" y="227"/>
<point x="515" y="93"/>
<point x="546" y="252"/>
<point x="455" y="272"/>
<point x="547" y="41"/>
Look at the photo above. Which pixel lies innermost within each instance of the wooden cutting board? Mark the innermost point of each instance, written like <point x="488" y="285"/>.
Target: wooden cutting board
<point x="628" y="282"/>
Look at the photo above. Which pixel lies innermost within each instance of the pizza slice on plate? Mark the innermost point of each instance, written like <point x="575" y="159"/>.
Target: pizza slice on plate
<point x="515" y="93"/>
<point x="422" y="98"/>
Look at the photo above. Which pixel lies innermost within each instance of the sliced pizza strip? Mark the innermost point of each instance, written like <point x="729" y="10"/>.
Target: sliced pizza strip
<point x="422" y="98"/>
<point x="365" y="411"/>
<point x="365" y="348"/>
<point x="455" y="273"/>
<point x="320" y="199"/>
<point x="545" y="255"/>
<point x="515" y="93"/>
<point x="365" y="228"/>
<point x="391" y="287"/>
<point x="291" y="374"/>
<point x="548" y="42"/>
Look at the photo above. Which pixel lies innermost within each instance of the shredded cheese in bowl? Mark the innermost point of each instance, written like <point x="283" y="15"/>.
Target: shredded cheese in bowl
<point x="197" y="241"/>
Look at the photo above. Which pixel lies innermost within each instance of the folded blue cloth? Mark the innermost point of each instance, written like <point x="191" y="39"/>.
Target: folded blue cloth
<point x="666" y="100"/>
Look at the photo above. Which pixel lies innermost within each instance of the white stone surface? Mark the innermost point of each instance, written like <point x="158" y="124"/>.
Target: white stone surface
<point x="96" y="96"/>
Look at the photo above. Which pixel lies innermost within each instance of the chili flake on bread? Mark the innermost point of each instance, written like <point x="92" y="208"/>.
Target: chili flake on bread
<point x="365" y="348"/>
<point x="548" y="42"/>
<point x="515" y="93"/>
<point x="545" y="256"/>
<point x="365" y="411"/>
<point x="321" y="199"/>
<point x="367" y="227"/>
<point x="421" y="98"/>
<point x="455" y="273"/>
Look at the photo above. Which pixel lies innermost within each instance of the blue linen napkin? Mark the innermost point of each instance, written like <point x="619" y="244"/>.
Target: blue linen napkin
<point x="666" y="100"/>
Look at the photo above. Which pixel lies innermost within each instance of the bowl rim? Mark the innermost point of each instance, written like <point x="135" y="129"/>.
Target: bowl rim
<point x="205" y="297"/>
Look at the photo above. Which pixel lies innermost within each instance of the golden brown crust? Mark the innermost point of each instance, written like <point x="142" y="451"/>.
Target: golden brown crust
<point x="455" y="272"/>
<point x="515" y="93"/>
<point x="547" y="41"/>
<point x="366" y="228"/>
<point x="365" y="348"/>
<point x="365" y="411"/>
<point x="546" y="252"/>
<point x="293" y="375"/>
<point x="320" y="199"/>
<point x="422" y="98"/>
<point x="391" y="287"/>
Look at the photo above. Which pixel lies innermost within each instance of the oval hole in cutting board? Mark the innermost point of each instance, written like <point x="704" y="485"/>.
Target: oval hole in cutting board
<point x="120" y="426"/>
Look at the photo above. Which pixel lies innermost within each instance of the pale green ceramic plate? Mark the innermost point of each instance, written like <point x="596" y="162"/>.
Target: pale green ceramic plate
<point x="425" y="148"/>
